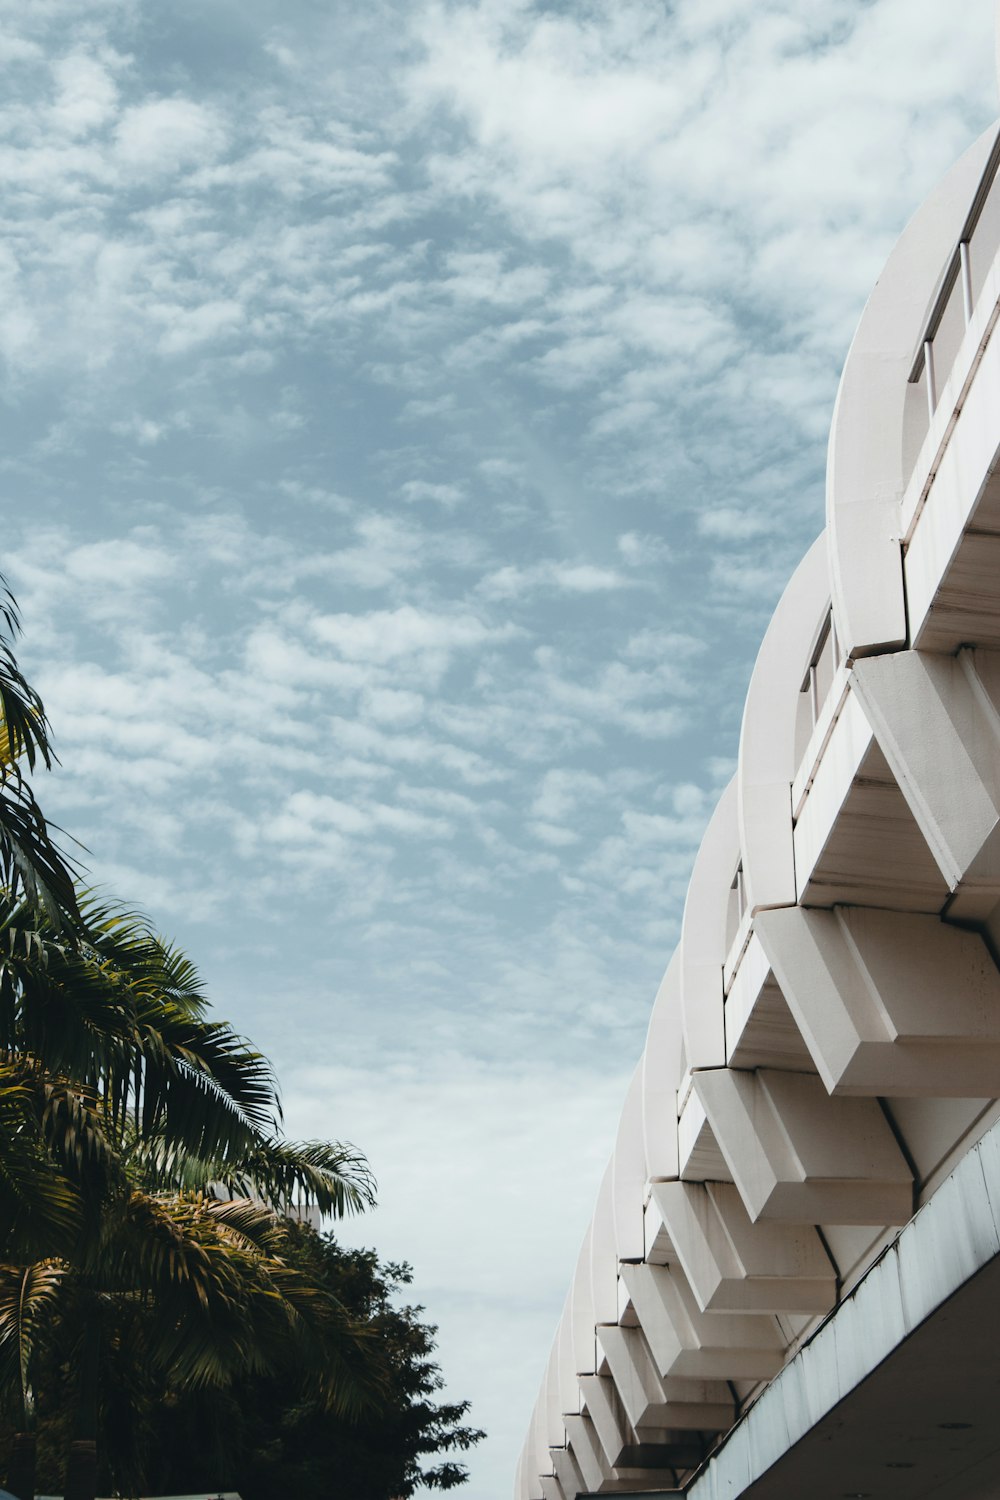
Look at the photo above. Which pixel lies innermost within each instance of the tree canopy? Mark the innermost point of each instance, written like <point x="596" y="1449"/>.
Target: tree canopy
<point x="269" y="1433"/>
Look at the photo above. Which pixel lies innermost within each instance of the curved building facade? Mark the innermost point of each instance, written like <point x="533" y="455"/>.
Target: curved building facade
<point x="805" y="1185"/>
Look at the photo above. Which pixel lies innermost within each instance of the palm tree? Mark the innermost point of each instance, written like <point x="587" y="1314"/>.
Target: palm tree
<point x="27" y="1297"/>
<point x="130" y="1099"/>
<point x="128" y="1118"/>
<point x="30" y="860"/>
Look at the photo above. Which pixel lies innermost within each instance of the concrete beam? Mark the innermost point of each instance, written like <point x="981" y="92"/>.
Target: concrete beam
<point x="735" y="1265"/>
<point x="889" y="1003"/>
<point x="940" y="733"/>
<point x="684" y="1341"/>
<point x="802" y="1157"/>
<point x="652" y="1401"/>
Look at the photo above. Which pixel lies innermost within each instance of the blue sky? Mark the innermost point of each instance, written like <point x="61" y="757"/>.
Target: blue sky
<point x="412" y="413"/>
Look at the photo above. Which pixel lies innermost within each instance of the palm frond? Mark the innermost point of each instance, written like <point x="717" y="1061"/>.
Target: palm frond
<point x="28" y="1296"/>
<point x="287" y="1176"/>
<point x="207" y="1088"/>
<point x="30" y="859"/>
<point x="74" y="1131"/>
<point x="25" y="730"/>
<point x="229" y="1302"/>
<point x="40" y="1208"/>
<point x="122" y="1013"/>
<point x="291" y="1175"/>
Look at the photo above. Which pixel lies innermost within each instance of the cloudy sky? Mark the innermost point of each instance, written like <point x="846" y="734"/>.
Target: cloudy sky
<point x="412" y="413"/>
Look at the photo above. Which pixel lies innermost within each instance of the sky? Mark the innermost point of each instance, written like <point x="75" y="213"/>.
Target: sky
<point x="411" y="415"/>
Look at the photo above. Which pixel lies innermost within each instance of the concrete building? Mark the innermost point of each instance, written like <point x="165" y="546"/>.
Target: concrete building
<point x="791" y="1283"/>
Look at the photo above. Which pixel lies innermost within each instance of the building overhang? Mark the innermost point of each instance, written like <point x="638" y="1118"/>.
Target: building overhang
<point x="895" y="1395"/>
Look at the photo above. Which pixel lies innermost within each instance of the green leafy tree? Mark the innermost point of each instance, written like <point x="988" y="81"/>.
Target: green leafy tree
<point x="192" y="1294"/>
<point x="271" y="1434"/>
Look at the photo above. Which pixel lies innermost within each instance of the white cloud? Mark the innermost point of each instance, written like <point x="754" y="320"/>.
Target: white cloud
<point x="638" y="550"/>
<point x="574" y="362"/>
<point x="386" y="548"/>
<point x="87" y="94"/>
<point x="561" y="790"/>
<point x="160" y="136"/>
<point x="512" y="581"/>
<point x="728" y="524"/>
<point x="647" y="702"/>
<point x="391" y="635"/>
<point x="418" y="411"/>
<point x="295" y="155"/>
<point x="416" y="750"/>
<point x="553" y="835"/>
<point x="309" y="818"/>
<point x="185" y="328"/>
<point x="143" y="430"/>
<point x="276" y="657"/>
<point x="394" y="706"/>
<point x="127" y="564"/>
<point x="481" y="276"/>
<point x="663" y="645"/>
<point x="448" y="495"/>
<point x="15" y="49"/>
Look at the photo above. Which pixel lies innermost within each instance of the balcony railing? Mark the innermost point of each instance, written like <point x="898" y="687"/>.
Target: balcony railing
<point x="961" y="285"/>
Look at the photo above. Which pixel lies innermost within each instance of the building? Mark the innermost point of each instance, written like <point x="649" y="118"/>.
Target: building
<point x="791" y="1283"/>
